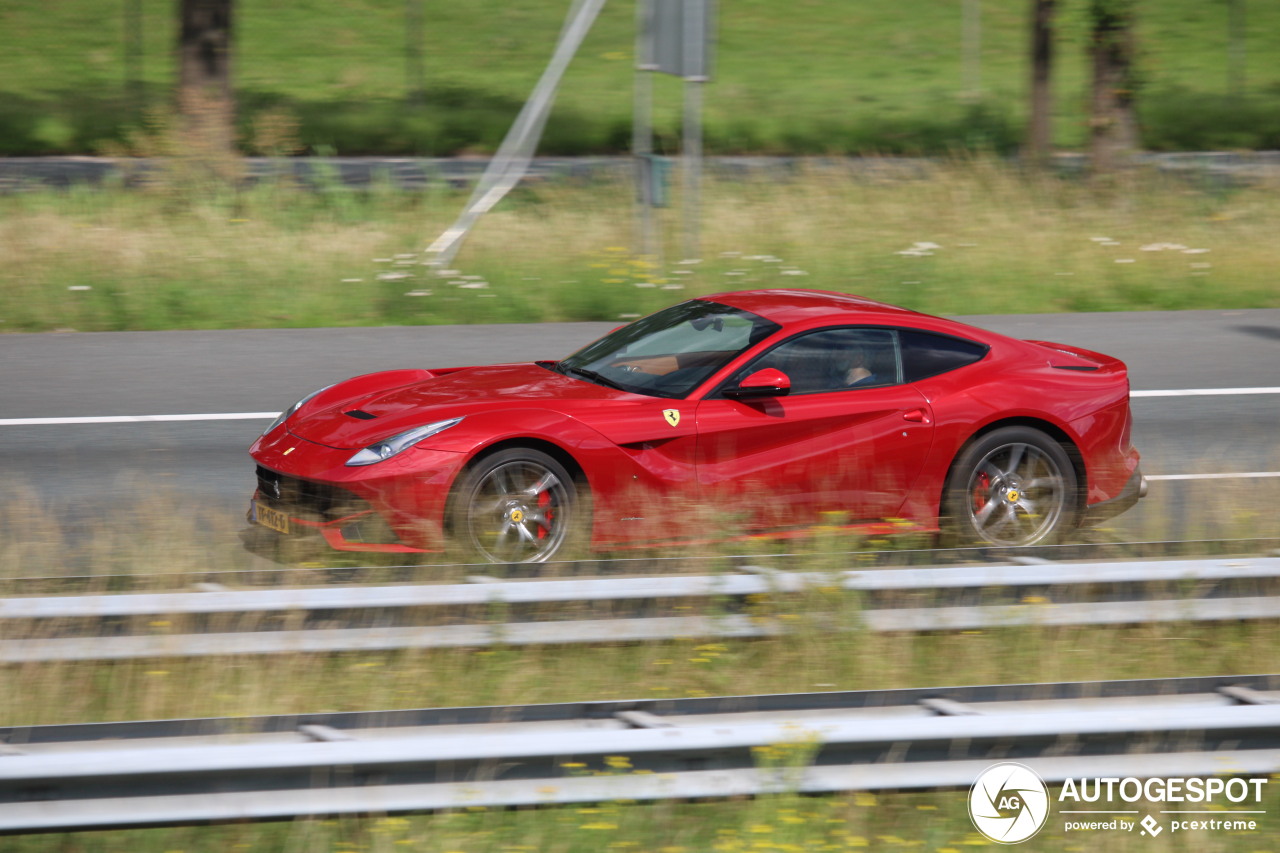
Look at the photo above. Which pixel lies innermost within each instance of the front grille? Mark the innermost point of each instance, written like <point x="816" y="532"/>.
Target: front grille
<point x="321" y="503"/>
<point x="306" y="499"/>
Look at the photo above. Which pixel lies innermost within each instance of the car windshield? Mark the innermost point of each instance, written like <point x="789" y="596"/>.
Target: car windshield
<point x="669" y="353"/>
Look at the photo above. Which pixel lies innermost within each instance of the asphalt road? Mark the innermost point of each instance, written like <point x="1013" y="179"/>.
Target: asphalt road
<point x="71" y="466"/>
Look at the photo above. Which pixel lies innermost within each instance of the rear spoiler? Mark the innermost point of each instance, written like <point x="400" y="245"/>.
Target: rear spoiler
<point x="1067" y="357"/>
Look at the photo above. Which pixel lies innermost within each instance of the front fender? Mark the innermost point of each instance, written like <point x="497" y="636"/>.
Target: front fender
<point x="619" y="481"/>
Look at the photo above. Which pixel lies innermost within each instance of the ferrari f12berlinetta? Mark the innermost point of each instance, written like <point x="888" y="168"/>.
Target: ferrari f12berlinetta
<point x="774" y="408"/>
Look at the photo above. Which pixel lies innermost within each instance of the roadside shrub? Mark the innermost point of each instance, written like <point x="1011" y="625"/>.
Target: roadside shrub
<point x="1178" y="119"/>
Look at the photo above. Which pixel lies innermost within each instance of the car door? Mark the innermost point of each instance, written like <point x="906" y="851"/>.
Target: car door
<point x="848" y="438"/>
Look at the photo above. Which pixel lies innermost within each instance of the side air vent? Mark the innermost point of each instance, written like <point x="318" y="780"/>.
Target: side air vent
<point x="362" y="415"/>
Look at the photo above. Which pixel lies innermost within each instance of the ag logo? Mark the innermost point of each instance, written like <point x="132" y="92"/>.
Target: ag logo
<point x="672" y="416"/>
<point x="1009" y="803"/>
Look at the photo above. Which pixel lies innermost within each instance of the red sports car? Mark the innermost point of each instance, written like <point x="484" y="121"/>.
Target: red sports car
<point x="776" y="408"/>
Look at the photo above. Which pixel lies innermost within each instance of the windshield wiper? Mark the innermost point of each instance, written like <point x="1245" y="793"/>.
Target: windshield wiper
<point x="592" y="375"/>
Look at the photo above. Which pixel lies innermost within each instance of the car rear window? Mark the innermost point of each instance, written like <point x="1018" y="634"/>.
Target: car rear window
<point x="925" y="354"/>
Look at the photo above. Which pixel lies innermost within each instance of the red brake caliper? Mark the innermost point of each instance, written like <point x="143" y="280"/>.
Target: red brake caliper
<point x="544" y="502"/>
<point x="982" y="491"/>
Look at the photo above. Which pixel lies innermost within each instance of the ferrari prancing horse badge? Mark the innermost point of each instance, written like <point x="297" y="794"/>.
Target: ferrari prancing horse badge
<point x="672" y="416"/>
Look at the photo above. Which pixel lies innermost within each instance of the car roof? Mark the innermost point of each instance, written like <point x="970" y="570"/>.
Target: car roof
<point x="797" y="306"/>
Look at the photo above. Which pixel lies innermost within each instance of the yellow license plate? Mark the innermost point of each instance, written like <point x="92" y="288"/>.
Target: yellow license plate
<point x="272" y="518"/>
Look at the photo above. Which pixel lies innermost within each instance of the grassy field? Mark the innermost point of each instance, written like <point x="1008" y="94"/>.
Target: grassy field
<point x="815" y="76"/>
<point x="933" y="823"/>
<point x="964" y="237"/>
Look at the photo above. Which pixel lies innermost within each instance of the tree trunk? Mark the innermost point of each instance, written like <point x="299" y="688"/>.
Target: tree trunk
<point x="1113" y="122"/>
<point x="205" y="100"/>
<point x="1040" y="124"/>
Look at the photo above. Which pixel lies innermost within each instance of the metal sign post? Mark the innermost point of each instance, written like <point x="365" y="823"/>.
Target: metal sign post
<point x="642" y="130"/>
<point x="674" y="38"/>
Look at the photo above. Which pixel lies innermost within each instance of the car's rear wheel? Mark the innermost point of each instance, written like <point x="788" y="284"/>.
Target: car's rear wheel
<point x="518" y="505"/>
<point x="1013" y="486"/>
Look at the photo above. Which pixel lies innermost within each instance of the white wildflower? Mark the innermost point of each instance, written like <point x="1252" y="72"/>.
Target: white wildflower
<point x="920" y="249"/>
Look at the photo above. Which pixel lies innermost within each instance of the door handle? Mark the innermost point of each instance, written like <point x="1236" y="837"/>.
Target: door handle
<point x="916" y="416"/>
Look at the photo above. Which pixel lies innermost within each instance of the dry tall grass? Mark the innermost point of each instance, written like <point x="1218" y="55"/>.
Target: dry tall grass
<point x="961" y="237"/>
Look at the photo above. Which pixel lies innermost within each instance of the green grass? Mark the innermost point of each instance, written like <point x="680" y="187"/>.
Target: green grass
<point x="962" y="237"/>
<point x="812" y="76"/>
<point x="935" y="823"/>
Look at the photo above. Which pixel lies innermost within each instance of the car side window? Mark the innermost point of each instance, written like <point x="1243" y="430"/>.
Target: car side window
<point x="833" y="360"/>
<point x="925" y="354"/>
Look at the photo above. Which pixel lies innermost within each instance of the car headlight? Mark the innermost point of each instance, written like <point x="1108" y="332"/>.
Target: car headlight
<point x="287" y="413"/>
<point x="389" y="447"/>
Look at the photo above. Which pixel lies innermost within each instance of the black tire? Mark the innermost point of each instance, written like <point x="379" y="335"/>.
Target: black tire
<point x="517" y="505"/>
<point x="1013" y="486"/>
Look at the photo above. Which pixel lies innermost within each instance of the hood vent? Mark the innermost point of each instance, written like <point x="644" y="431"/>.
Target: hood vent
<point x="362" y="415"/>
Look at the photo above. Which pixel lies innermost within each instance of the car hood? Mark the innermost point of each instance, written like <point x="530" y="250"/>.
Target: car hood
<point x="362" y="411"/>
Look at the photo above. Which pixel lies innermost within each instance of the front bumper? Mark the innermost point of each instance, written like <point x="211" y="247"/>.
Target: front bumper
<point x="306" y="490"/>
<point x="1134" y="490"/>
<point x="359" y="530"/>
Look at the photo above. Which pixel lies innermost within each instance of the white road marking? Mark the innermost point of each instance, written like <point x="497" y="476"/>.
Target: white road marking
<point x="1203" y="392"/>
<point x="136" y="419"/>
<point x="251" y="416"/>
<point x="1244" y="475"/>
<point x="266" y="416"/>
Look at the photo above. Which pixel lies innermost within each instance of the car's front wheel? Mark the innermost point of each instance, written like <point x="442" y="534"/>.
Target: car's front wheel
<point x="518" y="505"/>
<point x="1013" y="486"/>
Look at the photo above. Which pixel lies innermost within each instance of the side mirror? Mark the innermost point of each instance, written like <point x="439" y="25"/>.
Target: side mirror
<point x="769" y="382"/>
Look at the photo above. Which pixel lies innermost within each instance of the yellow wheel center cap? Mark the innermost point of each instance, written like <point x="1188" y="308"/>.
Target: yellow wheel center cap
<point x="516" y="515"/>
<point x="1012" y="496"/>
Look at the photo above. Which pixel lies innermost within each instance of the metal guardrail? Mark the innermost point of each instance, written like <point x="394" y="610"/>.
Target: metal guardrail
<point x="115" y="775"/>
<point x="24" y="173"/>
<point x="1043" y="594"/>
